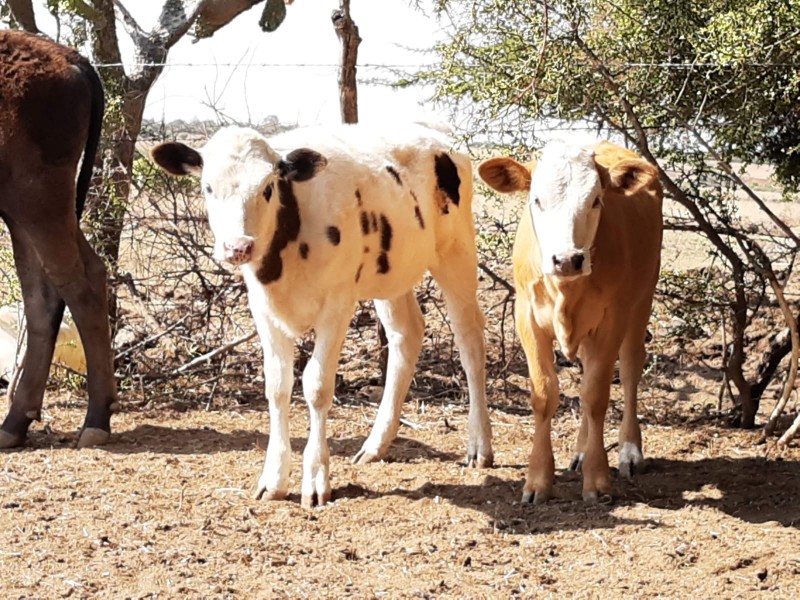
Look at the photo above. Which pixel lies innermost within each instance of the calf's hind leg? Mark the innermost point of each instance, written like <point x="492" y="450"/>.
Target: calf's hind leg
<point x="457" y="276"/>
<point x="632" y="356"/>
<point x="405" y="327"/>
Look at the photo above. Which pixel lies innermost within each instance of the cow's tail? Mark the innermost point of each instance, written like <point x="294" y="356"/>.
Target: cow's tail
<point x="93" y="137"/>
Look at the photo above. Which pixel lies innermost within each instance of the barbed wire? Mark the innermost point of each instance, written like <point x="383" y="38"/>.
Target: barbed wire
<point x="260" y="64"/>
<point x="632" y="65"/>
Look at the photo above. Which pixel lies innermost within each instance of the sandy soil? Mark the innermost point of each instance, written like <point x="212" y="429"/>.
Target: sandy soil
<point x="164" y="511"/>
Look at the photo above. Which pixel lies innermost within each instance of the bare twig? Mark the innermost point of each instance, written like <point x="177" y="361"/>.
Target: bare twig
<point x="216" y="352"/>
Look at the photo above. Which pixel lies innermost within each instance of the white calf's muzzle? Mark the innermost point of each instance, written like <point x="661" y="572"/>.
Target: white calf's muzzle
<point x="238" y="250"/>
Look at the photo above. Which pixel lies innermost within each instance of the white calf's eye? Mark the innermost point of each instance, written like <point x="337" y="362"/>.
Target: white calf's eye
<point x="207" y="188"/>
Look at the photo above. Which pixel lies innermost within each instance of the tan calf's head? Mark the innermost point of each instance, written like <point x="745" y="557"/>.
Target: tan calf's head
<point x="240" y="173"/>
<point x="567" y="188"/>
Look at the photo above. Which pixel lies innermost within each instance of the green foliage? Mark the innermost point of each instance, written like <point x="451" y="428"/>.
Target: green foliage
<point x="725" y="68"/>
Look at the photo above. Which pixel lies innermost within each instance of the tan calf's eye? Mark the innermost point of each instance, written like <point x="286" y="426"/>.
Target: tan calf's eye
<point x="597" y="202"/>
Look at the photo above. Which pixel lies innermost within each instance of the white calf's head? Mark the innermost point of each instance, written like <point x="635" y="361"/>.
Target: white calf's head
<point x="243" y="180"/>
<point x="566" y="189"/>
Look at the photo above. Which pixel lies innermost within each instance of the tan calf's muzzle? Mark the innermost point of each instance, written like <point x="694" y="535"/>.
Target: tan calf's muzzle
<point x="568" y="265"/>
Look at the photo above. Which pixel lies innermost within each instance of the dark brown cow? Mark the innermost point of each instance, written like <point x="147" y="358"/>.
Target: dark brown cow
<point x="51" y="110"/>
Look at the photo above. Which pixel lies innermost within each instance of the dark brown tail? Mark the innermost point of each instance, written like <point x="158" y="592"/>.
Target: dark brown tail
<point x="93" y="139"/>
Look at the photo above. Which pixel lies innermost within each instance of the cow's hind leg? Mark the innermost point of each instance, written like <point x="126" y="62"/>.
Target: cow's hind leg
<point x="632" y="356"/>
<point x="457" y="276"/>
<point x="43" y="312"/>
<point x="79" y="276"/>
<point x="405" y="327"/>
<point x="90" y="297"/>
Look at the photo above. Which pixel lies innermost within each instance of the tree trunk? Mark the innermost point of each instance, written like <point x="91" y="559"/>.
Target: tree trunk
<point x="347" y="32"/>
<point x="22" y="11"/>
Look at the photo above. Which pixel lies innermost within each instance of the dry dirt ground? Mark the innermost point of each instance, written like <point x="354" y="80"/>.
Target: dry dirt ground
<point x="164" y="511"/>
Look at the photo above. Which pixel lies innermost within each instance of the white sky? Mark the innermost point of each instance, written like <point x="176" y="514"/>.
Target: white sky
<point x="229" y="68"/>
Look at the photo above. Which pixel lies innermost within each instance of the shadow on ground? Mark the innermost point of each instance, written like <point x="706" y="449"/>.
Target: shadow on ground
<point x="754" y="490"/>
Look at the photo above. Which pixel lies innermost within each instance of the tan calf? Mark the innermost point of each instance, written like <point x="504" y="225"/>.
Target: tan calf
<point x="586" y="263"/>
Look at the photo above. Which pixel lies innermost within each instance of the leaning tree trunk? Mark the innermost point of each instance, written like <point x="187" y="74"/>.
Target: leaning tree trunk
<point x="347" y="32"/>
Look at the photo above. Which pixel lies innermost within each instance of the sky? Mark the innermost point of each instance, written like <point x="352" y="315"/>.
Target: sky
<point x="250" y="75"/>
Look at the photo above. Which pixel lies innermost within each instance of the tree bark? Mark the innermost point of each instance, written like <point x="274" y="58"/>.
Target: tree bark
<point x="22" y="11"/>
<point x="347" y="32"/>
<point x="126" y="95"/>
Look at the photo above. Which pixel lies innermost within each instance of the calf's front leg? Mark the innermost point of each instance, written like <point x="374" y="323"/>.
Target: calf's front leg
<point x="278" y="382"/>
<point x="319" y="380"/>
<point x="598" y="364"/>
<point x="544" y="401"/>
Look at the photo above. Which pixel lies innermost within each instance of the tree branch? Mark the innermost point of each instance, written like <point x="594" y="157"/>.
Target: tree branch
<point x="216" y="352"/>
<point x="130" y="24"/>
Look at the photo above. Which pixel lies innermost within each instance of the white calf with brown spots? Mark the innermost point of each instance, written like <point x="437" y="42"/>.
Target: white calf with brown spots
<point x="319" y="219"/>
<point x="586" y="263"/>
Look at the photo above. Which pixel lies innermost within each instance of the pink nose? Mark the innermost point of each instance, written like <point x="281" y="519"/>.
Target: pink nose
<point x="238" y="251"/>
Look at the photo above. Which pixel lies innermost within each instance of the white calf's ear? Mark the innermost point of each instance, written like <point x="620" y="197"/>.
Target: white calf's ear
<point x="177" y="159"/>
<point x="505" y="175"/>
<point x="630" y="175"/>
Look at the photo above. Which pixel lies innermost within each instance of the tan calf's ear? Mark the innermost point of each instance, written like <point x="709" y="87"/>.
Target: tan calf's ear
<point x="177" y="159"/>
<point x="630" y="175"/>
<point x="505" y="175"/>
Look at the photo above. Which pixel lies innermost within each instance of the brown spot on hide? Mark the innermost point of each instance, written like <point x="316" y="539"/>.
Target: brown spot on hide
<point x="386" y="234"/>
<point x="383" y="263"/>
<point x="418" y="215"/>
<point x="334" y="235"/>
<point x="358" y="273"/>
<point x="364" y="219"/>
<point x="395" y="175"/>
<point x="303" y="250"/>
<point x="358" y="198"/>
<point x="447" y="181"/>
<point x="301" y="164"/>
<point x="287" y="228"/>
